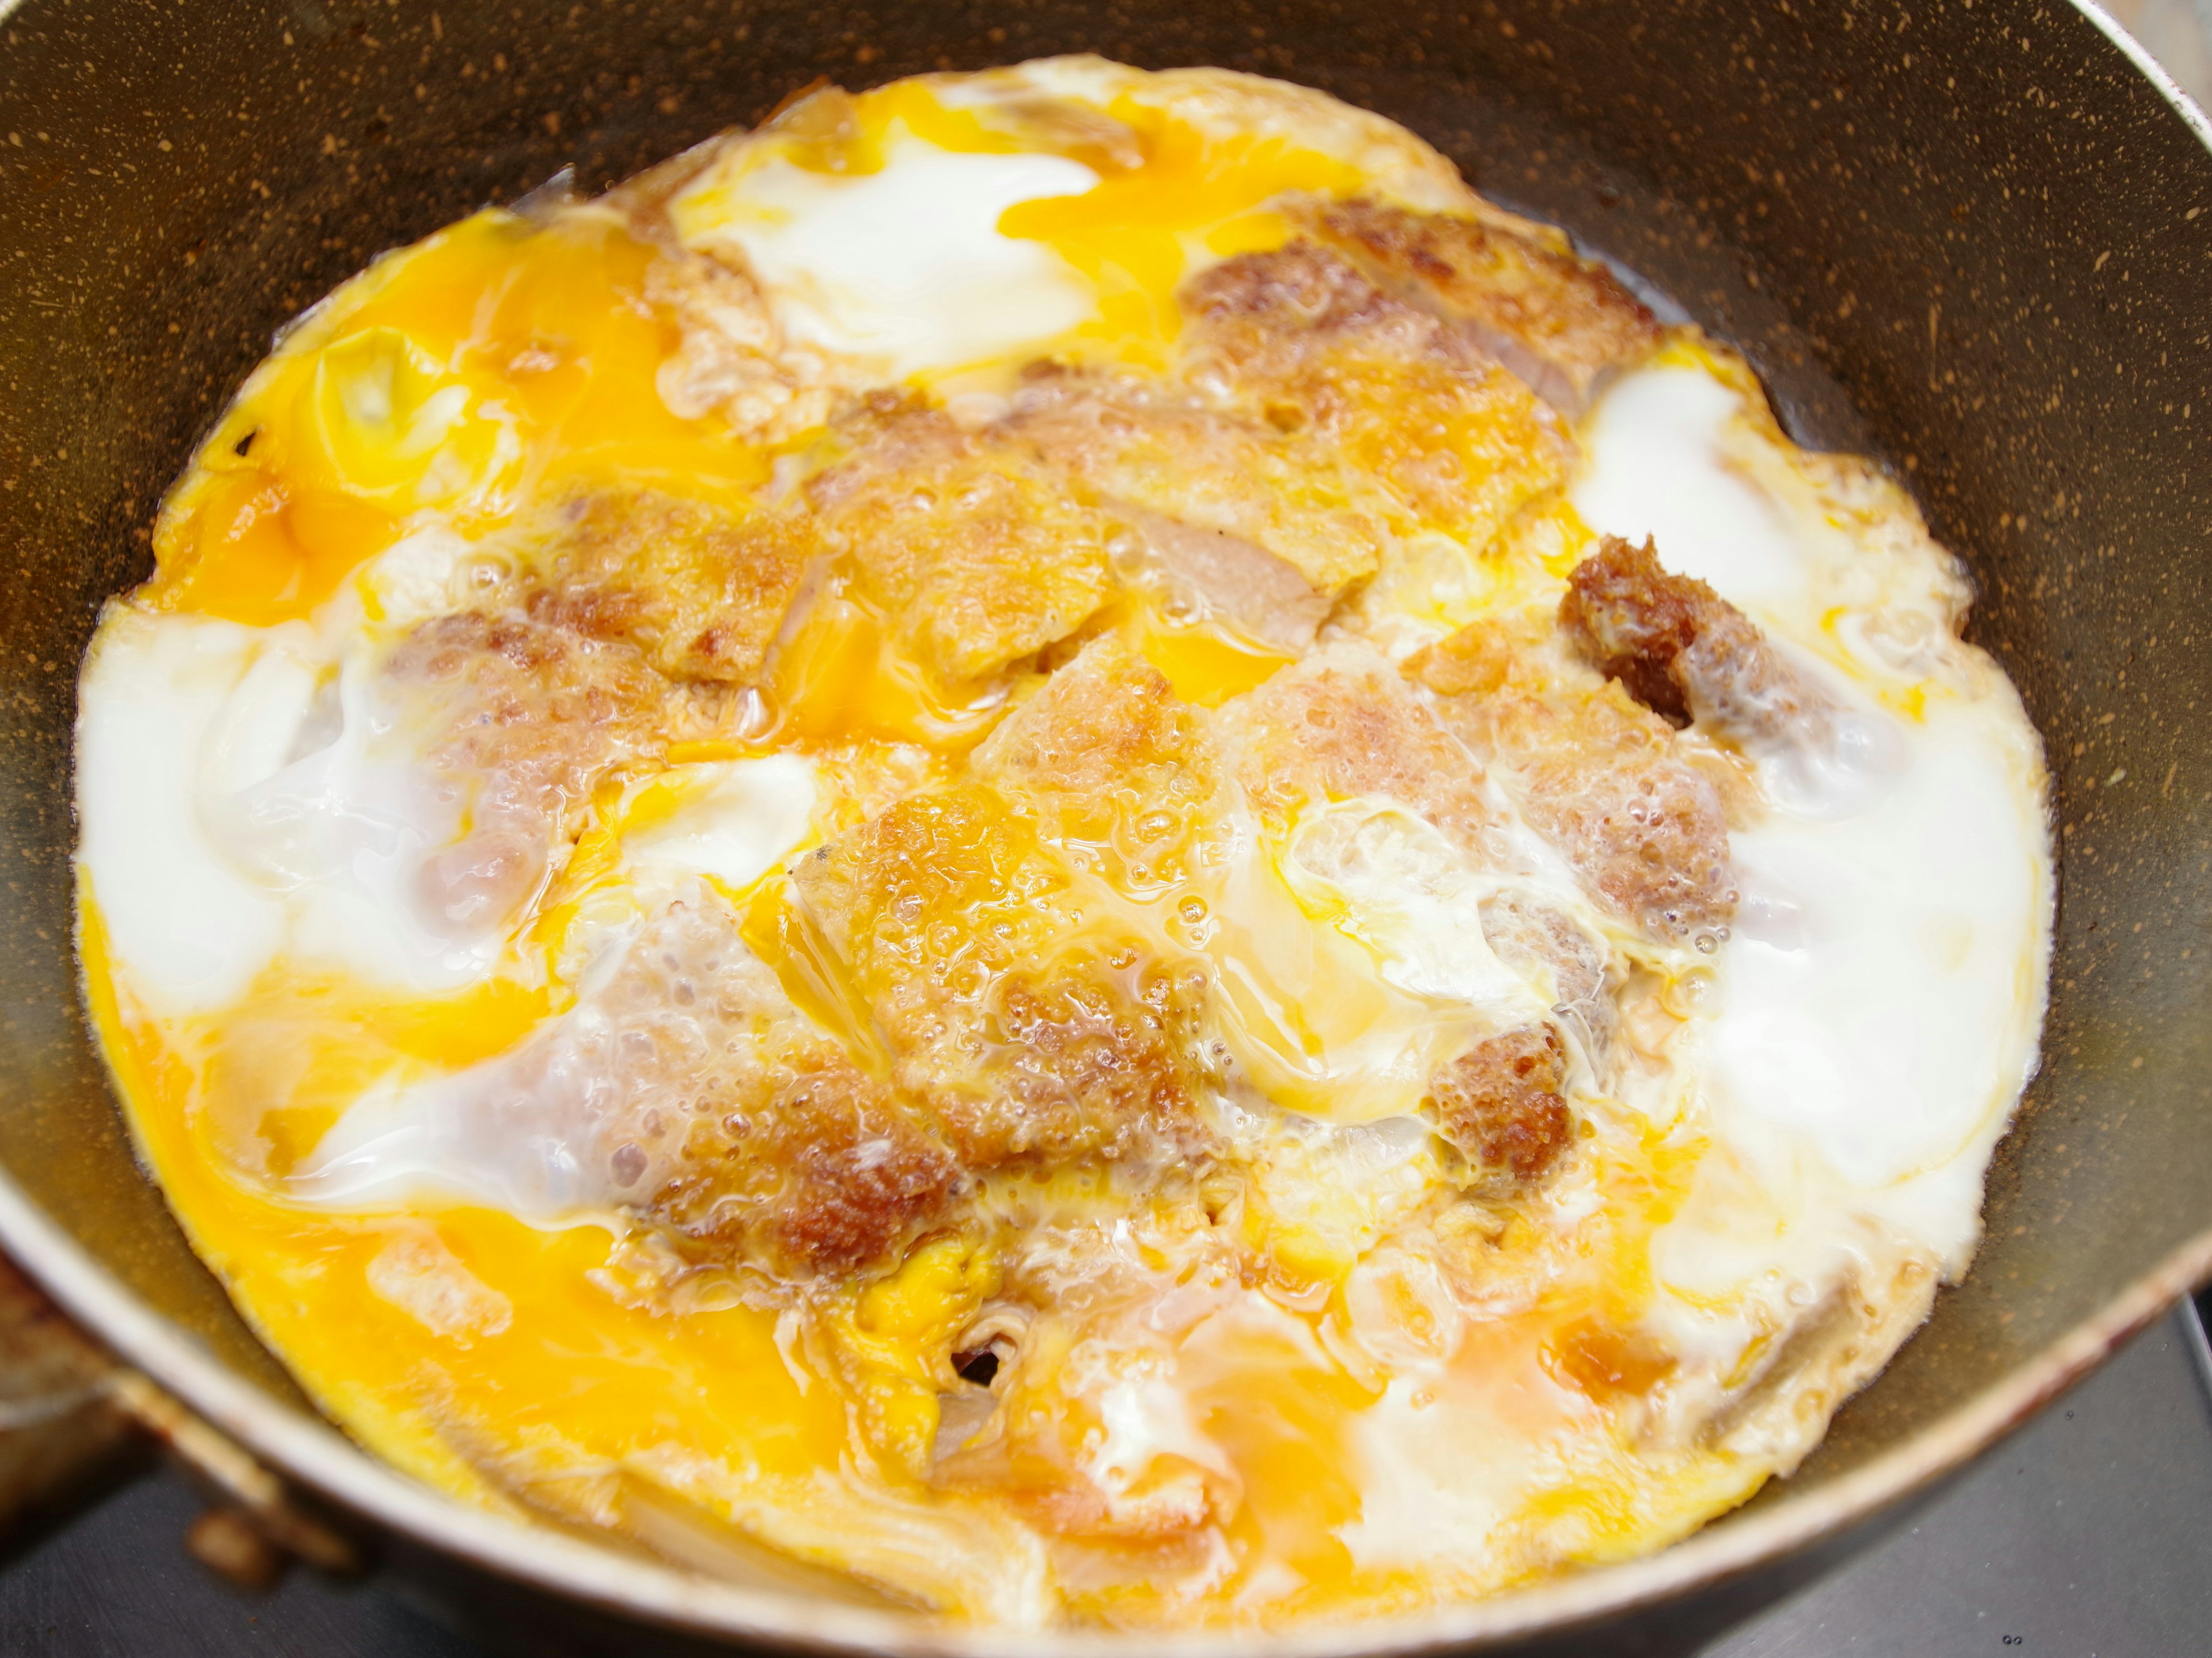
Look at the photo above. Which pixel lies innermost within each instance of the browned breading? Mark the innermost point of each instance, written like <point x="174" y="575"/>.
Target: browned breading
<point x="708" y="1106"/>
<point x="1564" y="324"/>
<point x="523" y="718"/>
<point x="1345" y="726"/>
<point x="1093" y="1056"/>
<point x="1031" y="1036"/>
<point x="1143" y="445"/>
<point x="1302" y="340"/>
<point x="1598" y="775"/>
<point x="702" y="591"/>
<point x="976" y="555"/>
<point x="1503" y="1104"/>
<point x="731" y="357"/>
<point x="1531" y="937"/>
<point x="824" y="1170"/>
<point x="1682" y="650"/>
<point x="1118" y="767"/>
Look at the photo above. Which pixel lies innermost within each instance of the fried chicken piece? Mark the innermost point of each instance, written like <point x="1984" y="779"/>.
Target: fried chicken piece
<point x="1564" y="324"/>
<point x="1264" y="529"/>
<point x="1299" y="338"/>
<point x="1502" y="1105"/>
<point x="700" y="590"/>
<point x="522" y="718"/>
<point x="976" y="555"/>
<point x="1597" y="774"/>
<point x="1684" y="652"/>
<point x="1116" y="763"/>
<point x="1342" y="725"/>
<point x="1031" y="1036"/>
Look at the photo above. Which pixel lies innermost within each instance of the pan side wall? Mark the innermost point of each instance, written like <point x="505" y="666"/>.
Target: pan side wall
<point x="1971" y="241"/>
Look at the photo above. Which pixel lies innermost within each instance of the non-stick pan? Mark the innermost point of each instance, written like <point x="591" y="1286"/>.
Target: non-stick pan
<point x="1970" y="237"/>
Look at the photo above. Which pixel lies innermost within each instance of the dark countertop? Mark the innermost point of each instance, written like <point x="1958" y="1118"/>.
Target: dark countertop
<point x="2088" y="1535"/>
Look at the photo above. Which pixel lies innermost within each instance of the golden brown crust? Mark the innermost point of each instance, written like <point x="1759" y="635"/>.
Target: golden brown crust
<point x="1534" y="938"/>
<point x="1335" y="730"/>
<point x="976" y="556"/>
<point x="1300" y="339"/>
<point x="1134" y="444"/>
<point x="731" y="357"/>
<point x="824" y="1170"/>
<point x="686" y="1087"/>
<point x="701" y="590"/>
<point x="527" y="716"/>
<point x="1598" y="775"/>
<point x="1117" y="764"/>
<point x="1682" y="650"/>
<point x="1030" y="1038"/>
<point x="1502" y="1105"/>
<point x="1563" y="323"/>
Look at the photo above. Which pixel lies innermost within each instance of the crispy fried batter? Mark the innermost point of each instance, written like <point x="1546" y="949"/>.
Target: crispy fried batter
<point x="1142" y="446"/>
<point x="1598" y="775"/>
<point x="1503" y="1104"/>
<point x="1344" y="725"/>
<point x="976" y="554"/>
<point x="1302" y="339"/>
<point x="1682" y="650"/>
<point x="1114" y="762"/>
<point x="700" y="590"/>
<point x="1031" y="1036"/>
<point x="1093" y="1057"/>
<point x="732" y="357"/>
<point x="707" y="1104"/>
<point x="1531" y="937"/>
<point x="1565" y="325"/>
<point x="523" y="717"/>
<point x="824" y="1168"/>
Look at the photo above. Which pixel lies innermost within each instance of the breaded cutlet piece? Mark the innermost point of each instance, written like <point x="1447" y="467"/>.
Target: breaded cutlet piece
<point x="1298" y="338"/>
<point x="699" y="1098"/>
<point x="1034" y="1038"/>
<point x="522" y="717"/>
<point x="1535" y="939"/>
<point x="1564" y="324"/>
<point x="732" y="358"/>
<point x="1503" y="1105"/>
<point x="1345" y="724"/>
<point x="699" y="589"/>
<point x="1116" y="766"/>
<point x="1147" y="453"/>
<point x="1596" y="773"/>
<point x="976" y="554"/>
<point x="1683" y="651"/>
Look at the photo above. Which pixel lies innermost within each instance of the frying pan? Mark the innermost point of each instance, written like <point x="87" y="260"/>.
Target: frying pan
<point x="1973" y="237"/>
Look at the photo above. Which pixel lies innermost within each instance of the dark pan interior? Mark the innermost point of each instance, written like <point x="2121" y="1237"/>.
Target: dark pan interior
<point x="1970" y="238"/>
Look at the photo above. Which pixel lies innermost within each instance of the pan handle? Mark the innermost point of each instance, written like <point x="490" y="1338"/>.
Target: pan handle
<point x="71" y="1416"/>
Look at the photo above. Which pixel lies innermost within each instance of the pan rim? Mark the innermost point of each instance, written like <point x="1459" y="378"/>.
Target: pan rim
<point x="316" y="1455"/>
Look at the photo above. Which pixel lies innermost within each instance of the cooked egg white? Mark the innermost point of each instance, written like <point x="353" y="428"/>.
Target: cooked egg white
<point x="333" y="1081"/>
<point x="959" y="290"/>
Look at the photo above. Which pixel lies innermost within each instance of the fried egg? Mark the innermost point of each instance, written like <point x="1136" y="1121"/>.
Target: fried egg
<point x="1058" y="838"/>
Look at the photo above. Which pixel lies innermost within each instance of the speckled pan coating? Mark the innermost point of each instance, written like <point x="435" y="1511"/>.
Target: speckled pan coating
<point x="1973" y="239"/>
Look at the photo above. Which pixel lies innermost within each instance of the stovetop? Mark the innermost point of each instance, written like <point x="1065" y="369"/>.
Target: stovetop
<point x="2086" y="1535"/>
